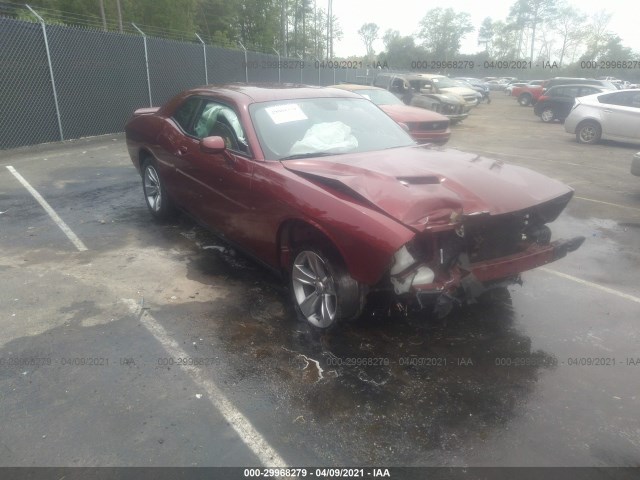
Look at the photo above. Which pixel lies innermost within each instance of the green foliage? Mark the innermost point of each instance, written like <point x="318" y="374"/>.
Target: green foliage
<point x="369" y="34"/>
<point x="442" y="31"/>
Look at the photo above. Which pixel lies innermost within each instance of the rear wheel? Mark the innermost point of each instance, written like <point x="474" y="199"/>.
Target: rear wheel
<point x="588" y="132"/>
<point x="155" y="194"/>
<point x="547" y="115"/>
<point x="323" y="291"/>
<point x="524" y="99"/>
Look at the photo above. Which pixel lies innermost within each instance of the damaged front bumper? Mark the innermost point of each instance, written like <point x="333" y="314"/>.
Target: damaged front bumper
<point x="465" y="281"/>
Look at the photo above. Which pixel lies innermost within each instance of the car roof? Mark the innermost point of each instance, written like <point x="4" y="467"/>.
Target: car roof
<point x="351" y="87"/>
<point x="264" y="92"/>
<point x="590" y="85"/>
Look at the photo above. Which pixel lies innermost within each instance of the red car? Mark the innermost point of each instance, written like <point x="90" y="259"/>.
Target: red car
<point x="528" y="94"/>
<point x="323" y="187"/>
<point x="425" y="126"/>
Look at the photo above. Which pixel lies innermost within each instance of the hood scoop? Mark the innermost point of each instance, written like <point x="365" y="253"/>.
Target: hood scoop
<point x="420" y="180"/>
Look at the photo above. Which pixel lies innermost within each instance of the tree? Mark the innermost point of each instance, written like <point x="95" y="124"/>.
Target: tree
<point x="400" y="51"/>
<point x="599" y="34"/>
<point x="570" y="25"/>
<point x="530" y="14"/>
<point x="485" y="34"/>
<point x="369" y="34"/>
<point x="442" y="30"/>
<point x="504" y="40"/>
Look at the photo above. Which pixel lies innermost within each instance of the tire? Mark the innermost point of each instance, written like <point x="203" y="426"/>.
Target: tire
<point x="155" y="195"/>
<point x="547" y="115"/>
<point x="525" y="99"/>
<point x="323" y="292"/>
<point x="588" y="132"/>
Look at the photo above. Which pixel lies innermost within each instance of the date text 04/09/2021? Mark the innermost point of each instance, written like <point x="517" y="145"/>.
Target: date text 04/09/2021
<point x="486" y="65"/>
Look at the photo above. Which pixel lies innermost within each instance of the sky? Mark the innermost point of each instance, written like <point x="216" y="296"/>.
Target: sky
<point x="404" y="15"/>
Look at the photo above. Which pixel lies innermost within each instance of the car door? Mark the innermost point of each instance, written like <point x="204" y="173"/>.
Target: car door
<point x="563" y="101"/>
<point x="221" y="181"/>
<point x="176" y="141"/>
<point x="621" y="115"/>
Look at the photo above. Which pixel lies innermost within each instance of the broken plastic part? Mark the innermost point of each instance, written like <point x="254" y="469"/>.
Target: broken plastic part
<point x="402" y="260"/>
<point x="423" y="275"/>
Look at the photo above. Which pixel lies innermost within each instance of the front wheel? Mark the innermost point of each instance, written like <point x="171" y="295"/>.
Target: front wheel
<point x="323" y="291"/>
<point x="588" y="132"/>
<point x="155" y="194"/>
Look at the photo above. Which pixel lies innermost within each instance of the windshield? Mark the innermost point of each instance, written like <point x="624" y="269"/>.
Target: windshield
<point x="324" y="127"/>
<point x="444" y="82"/>
<point x="380" y="97"/>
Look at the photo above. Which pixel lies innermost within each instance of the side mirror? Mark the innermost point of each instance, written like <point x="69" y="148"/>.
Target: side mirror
<point x="404" y="126"/>
<point x="212" y="145"/>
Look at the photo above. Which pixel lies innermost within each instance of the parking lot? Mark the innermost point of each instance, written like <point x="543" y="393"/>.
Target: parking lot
<point x="125" y="342"/>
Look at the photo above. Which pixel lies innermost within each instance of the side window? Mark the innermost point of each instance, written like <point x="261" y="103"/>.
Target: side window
<point x="184" y="114"/>
<point x="218" y="120"/>
<point x="612" y="99"/>
<point x="571" y="92"/>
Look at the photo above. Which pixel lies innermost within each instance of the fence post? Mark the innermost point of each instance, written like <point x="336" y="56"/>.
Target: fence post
<point x="302" y="63"/>
<point x="278" y="53"/>
<point x="204" y="53"/>
<point x="53" y="81"/>
<point x="246" y="69"/>
<point x="146" y="61"/>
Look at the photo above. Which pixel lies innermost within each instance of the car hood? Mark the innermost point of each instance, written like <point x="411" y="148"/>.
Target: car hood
<point x="405" y="113"/>
<point x="458" y="90"/>
<point x="422" y="188"/>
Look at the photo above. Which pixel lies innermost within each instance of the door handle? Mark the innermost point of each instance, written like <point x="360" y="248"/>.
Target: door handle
<point x="181" y="151"/>
<point x="608" y="111"/>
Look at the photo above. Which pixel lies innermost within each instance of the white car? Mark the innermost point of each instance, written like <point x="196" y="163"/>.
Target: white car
<point x="610" y="116"/>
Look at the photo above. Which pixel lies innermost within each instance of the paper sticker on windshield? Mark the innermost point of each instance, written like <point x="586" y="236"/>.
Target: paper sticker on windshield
<point x="290" y="112"/>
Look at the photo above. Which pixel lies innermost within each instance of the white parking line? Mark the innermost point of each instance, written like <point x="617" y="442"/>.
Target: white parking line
<point x="54" y="216"/>
<point x="607" y="203"/>
<point x="626" y="296"/>
<point x="243" y="427"/>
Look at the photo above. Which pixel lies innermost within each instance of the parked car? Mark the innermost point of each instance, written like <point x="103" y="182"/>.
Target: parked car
<point x="509" y="88"/>
<point x="496" y="85"/>
<point x="451" y="105"/>
<point x="552" y="82"/>
<point x="424" y="126"/>
<point x="635" y="165"/>
<point x="529" y="93"/>
<point x="611" y="115"/>
<point x="477" y="85"/>
<point x="324" y="188"/>
<point x="428" y="83"/>
<point x="556" y="103"/>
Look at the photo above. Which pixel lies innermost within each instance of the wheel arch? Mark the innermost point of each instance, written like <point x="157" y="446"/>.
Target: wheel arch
<point x="143" y="155"/>
<point x="294" y="232"/>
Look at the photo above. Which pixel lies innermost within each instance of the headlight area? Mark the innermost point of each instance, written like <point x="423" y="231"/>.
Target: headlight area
<point x="462" y="261"/>
<point x="407" y="271"/>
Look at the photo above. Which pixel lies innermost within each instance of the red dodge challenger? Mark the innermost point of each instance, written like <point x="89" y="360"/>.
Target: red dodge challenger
<point x="323" y="187"/>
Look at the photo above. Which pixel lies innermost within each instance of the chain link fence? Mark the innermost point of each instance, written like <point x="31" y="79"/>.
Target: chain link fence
<point x="59" y="82"/>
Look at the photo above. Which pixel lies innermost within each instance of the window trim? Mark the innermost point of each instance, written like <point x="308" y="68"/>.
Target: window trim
<point x="203" y="101"/>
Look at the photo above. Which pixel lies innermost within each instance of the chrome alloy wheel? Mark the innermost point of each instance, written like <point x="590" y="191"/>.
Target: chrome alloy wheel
<point x="588" y="133"/>
<point x="314" y="289"/>
<point x="547" y="115"/>
<point x="152" y="190"/>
